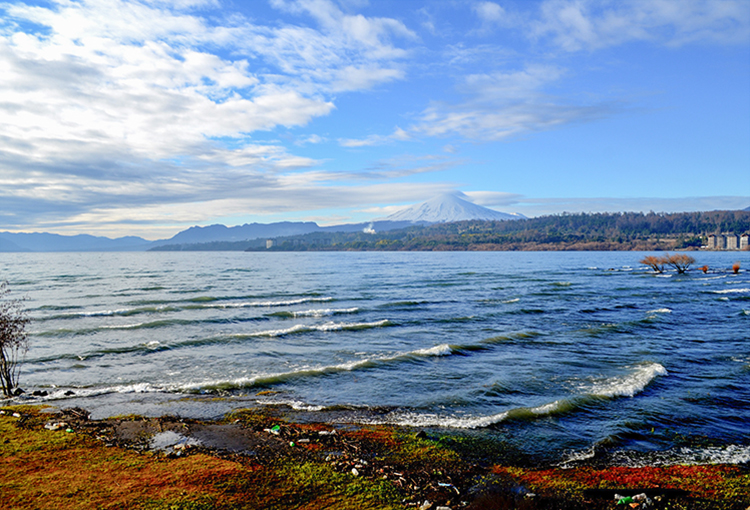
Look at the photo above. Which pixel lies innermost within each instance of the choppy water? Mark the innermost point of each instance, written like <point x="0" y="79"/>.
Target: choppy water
<point x="561" y="356"/>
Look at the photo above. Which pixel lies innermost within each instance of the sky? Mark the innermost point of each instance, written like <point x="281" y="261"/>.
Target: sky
<point x="146" y="117"/>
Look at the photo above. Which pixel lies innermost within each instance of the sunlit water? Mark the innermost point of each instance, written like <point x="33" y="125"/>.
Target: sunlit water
<point x="560" y="356"/>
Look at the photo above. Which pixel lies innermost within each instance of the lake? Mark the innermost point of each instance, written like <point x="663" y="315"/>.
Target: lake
<point x="561" y="356"/>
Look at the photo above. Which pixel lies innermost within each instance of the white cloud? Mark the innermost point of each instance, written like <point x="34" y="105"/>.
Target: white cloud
<point x="491" y="16"/>
<point x="502" y="105"/>
<point x="587" y="24"/>
<point x="131" y="106"/>
<point x="493" y="198"/>
<point x="397" y="135"/>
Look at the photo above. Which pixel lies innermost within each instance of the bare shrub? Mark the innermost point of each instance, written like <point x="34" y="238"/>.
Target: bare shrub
<point x="14" y="343"/>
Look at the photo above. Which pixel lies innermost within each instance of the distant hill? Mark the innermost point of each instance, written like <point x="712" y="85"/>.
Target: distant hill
<point x="450" y="207"/>
<point x="222" y="233"/>
<point x="43" y="242"/>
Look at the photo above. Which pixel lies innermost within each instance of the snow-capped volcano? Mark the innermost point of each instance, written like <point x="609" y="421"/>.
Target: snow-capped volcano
<point x="450" y="207"/>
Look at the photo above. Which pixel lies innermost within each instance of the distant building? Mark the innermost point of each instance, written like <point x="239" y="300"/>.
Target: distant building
<point x="730" y="242"/>
<point x="744" y="242"/>
<point x="712" y="242"/>
<point x="269" y="244"/>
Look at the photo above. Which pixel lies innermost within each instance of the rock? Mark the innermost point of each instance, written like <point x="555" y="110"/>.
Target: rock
<point x="16" y="415"/>
<point x="421" y="435"/>
<point x="39" y="393"/>
<point x="69" y="393"/>
<point x="425" y="505"/>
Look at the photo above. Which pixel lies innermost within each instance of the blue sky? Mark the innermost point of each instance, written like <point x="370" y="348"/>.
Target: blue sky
<point x="143" y="118"/>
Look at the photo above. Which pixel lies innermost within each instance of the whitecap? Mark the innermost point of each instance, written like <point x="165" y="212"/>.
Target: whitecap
<point x="438" y="350"/>
<point x="628" y="385"/>
<point x="325" y="312"/>
<point x="660" y="310"/>
<point x="731" y="291"/>
<point x="328" y="326"/>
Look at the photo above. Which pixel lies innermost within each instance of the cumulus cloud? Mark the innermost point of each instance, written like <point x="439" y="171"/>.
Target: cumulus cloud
<point x="114" y="105"/>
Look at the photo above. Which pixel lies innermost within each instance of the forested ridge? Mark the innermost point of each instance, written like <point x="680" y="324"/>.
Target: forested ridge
<point x="579" y="231"/>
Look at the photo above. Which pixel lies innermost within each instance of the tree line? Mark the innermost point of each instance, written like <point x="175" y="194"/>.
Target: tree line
<point x="582" y="231"/>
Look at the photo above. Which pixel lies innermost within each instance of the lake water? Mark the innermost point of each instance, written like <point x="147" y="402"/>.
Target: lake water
<point x="560" y="356"/>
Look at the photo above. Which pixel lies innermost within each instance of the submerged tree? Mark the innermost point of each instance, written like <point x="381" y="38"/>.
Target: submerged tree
<point x="655" y="263"/>
<point x="680" y="262"/>
<point x="14" y="341"/>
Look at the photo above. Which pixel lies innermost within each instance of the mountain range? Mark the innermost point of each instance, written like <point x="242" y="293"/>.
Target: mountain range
<point x="443" y="209"/>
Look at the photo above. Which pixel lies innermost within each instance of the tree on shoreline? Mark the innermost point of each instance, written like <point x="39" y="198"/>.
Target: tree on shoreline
<point x="14" y="343"/>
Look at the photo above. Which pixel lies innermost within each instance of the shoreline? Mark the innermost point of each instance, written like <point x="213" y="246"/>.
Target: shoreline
<point x="260" y="458"/>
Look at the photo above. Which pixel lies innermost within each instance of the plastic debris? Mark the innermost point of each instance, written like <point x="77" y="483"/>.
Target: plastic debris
<point x="276" y="430"/>
<point x="69" y="430"/>
<point x="16" y="415"/>
<point x="355" y="472"/>
<point x="56" y="425"/>
<point x="636" y="501"/>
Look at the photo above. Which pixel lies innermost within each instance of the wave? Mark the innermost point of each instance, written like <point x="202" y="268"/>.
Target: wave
<point x="730" y="291"/>
<point x="314" y="313"/>
<point x="625" y="386"/>
<point x="121" y="312"/>
<point x="660" y="310"/>
<point x="115" y="327"/>
<point x="415" y="419"/>
<point x="260" y="304"/>
<point x="261" y="380"/>
<point x="307" y="328"/>
<point x="628" y="385"/>
<point x="730" y="454"/>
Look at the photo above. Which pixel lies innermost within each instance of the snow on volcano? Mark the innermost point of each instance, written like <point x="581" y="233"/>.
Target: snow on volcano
<point x="450" y="207"/>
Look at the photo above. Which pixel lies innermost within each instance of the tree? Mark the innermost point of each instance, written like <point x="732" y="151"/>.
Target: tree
<point x="655" y="263"/>
<point x="680" y="262"/>
<point x="14" y="343"/>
